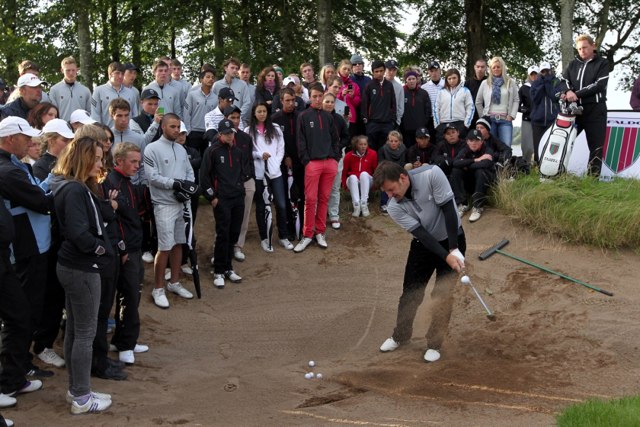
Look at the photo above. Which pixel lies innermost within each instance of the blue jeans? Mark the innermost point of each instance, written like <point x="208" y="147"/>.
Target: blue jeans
<point x="82" y="294"/>
<point x="502" y="129"/>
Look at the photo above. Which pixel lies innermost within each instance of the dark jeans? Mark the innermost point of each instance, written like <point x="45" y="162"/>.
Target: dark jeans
<point x="15" y="335"/>
<point x="32" y="273"/>
<point x="377" y="134"/>
<point x="421" y="263"/>
<point x="279" y="199"/>
<point x="594" y="123"/>
<point x="108" y="278"/>
<point x="128" y="291"/>
<point x="475" y="181"/>
<point x="47" y="332"/>
<point x="538" y="131"/>
<point x="82" y="295"/>
<point x="228" y="214"/>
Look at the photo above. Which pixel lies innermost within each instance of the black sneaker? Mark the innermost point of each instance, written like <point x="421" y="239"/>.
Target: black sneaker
<point x="115" y="363"/>
<point x="36" y="372"/>
<point x="111" y="373"/>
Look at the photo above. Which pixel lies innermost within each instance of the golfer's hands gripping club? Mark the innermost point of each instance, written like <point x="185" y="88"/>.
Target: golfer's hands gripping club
<point x="455" y="260"/>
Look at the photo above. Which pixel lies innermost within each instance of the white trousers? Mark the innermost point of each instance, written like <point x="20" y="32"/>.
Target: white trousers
<point x="359" y="188"/>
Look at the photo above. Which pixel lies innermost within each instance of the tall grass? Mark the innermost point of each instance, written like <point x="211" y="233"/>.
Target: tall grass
<point x="623" y="412"/>
<point x="577" y="209"/>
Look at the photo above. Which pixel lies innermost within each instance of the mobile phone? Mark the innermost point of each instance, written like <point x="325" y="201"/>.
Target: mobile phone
<point x="350" y="86"/>
<point x="418" y="159"/>
<point x="160" y="110"/>
<point x="346" y="110"/>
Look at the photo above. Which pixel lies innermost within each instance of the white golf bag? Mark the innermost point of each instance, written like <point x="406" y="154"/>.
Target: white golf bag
<point x="556" y="150"/>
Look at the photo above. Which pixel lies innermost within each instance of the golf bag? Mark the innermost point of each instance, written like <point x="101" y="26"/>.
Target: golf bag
<point x="556" y="150"/>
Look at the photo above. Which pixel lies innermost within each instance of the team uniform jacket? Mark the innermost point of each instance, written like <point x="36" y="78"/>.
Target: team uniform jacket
<point x="317" y="136"/>
<point x="196" y="106"/>
<point x="166" y="161"/>
<point x="130" y="208"/>
<point x="169" y="97"/>
<point x="466" y="159"/>
<point x="399" y="91"/>
<point x="102" y="97"/>
<point x="446" y="154"/>
<point x="222" y="174"/>
<point x="378" y="103"/>
<point x="355" y="164"/>
<point x="417" y="109"/>
<point x="68" y="97"/>
<point x="243" y="96"/>
<point x="427" y="154"/>
<point x="287" y="122"/>
<point x="588" y="79"/>
<point x="134" y="138"/>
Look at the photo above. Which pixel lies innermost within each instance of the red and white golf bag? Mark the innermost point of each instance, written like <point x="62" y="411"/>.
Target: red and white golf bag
<point x="556" y="150"/>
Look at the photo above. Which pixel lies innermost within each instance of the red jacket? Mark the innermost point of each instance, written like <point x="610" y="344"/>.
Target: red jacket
<point x="355" y="165"/>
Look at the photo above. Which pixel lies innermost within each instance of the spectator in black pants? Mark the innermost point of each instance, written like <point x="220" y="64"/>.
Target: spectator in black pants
<point x="417" y="109"/>
<point x="378" y="107"/>
<point x="544" y="104"/>
<point x="586" y="79"/>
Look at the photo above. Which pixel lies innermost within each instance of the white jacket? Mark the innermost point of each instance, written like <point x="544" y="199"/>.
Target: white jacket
<point x="275" y="148"/>
<point x="452" y="105"/>
<point x="483" y="99"/>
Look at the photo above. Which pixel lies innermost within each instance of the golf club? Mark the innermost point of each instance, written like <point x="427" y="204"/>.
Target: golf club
<point x="504" y="242"/>
<point x="467" y="281"/>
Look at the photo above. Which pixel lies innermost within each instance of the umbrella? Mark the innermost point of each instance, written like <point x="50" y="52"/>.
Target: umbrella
<point x="193" y="257"/>
<point x="294" y="203"/>
<point x="267" y="196"/>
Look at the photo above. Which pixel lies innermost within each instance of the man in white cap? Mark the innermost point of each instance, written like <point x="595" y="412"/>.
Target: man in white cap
<point x="79" y="118"/>
<point x="69" y="94"/>
<point x="30" y="205"/>
<point x="29" y="95"/>
<point x="526" y="133"/>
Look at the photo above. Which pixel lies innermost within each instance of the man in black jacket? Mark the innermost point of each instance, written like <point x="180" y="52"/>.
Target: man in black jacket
<point x="378" y="106"/>
<point x="586" y="79"/>
<point x="417" y="108"/>
<point x="222" y="177"/>
<point x="30" y="95"/>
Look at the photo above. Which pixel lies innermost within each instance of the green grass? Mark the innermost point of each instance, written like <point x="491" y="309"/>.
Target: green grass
<point x="578" y="210"/>
<point x="623" y="412"/>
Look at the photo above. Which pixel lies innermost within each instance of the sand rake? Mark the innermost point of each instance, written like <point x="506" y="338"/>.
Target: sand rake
<point x="497" y="248"/>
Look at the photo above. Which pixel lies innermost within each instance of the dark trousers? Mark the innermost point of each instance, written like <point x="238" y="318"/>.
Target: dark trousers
<point x="421" y="263"/>
<point x="32" y="273"/>
<point x="149" y="232"/>
<point x="15" y="335"/>
<point x="594" y="122"/>
<point x="228" y="214"/>
<point x="408" y="137"/>
<point x="108" y="277"/>
<point x="197" y="140"/>
<point x="538" y="131"/>
<point x="377" y="134"/>
<point x="47" y="332"/>
<point x="278" y="191"/>
<point x="128" y="291"/>
<point x="474" y="181"/>
<point x="356" y="129"/>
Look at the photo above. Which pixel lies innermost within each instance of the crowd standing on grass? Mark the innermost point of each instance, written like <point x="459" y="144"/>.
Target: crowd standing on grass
<point x="95" y="183"/>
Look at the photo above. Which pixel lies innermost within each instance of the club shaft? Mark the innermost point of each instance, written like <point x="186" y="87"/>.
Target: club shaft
<point x="481" y="300"/>
<point x="564" y="276"/>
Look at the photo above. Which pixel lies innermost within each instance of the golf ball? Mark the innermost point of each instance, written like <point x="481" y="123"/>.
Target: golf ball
<point x="312" y="363"/>
<point x="465" y="280"/>
<point x="308" y="375"/>
<point x="319" y="376"/>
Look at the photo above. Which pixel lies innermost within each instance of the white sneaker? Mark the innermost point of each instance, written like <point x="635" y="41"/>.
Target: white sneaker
<point x="389" y="345"/>
<point x="50" y="357"/>
<point x="140" y="348"/>
<point x="383" y="210"/>
<point x="8" y="422"/>
<point x="285" y="243"/>
<point x="127" y="357"/>
<point x="238" y="255"/>
<point x="167" y="274"/>
<point x="178" y="289"/>
<point x="365" y="210"/>
<point x="266" y="246"/>
<point x="218" y="280"/>
<point x="335" y="224"/>
<point x="101" y="396"/>
<point x="232" y="276"/>
<point x="431" y="355"/>
<point x="321" y="241"/>
<point x="7" y="401"/>
<point x="92" y="405"/>
<point x="212" y="260"/>
<point x="302" y="245"/>
<point x="159" y="298"/>
<point x="186" y="269"/>
<point x="356" y="210"/>
<point x="28" y="387"/>
<point x="462" y="209"/>
<point x="147" y="257"/>
<point x="476" y="213"/>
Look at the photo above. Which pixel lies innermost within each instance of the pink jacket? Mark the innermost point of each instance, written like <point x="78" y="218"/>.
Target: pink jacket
<point x="353" y="101"/>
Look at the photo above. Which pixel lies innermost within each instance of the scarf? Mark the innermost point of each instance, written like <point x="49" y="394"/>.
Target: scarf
<point x="495" y="90"/>
<point x="270" y="85"/>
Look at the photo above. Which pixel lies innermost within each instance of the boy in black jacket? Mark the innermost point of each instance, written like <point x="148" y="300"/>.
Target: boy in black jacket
<point x="222" y="177"/>
<point x="447" y="150"/>
<point x="378" y="106"/>
<point x="473" y="170"/>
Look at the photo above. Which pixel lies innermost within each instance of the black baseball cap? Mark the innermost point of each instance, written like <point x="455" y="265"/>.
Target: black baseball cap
<point x="228" y="94"/>
<point x="130" y="66"/>
<point x="434" y="64"/>
<point x="230" y="110"/>
<point x="450" y="126"/>
<point x="149" y="93"/>
<point x="392" y="63"/>
<point x="423" y="133"/>
<point x="474" y="134"/>
<point x="225" y="126"/>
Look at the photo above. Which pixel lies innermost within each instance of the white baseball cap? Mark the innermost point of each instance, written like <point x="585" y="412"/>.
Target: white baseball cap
<point x="14" y="125"/>
<point x="533" y="69"/>
<point x="545" y="66"/>
<point x="58" y="126"/>
<point x="30" y="80"/>
<point x="291" y="79"/>
<point x="183" y="127"/>
<point x="81" y="116"/>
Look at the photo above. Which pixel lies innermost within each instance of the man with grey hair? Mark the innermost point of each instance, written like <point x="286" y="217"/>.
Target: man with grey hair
<point x="29" y="95"/>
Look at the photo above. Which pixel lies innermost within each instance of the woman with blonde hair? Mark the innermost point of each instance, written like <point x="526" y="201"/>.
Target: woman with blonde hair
<point x="498" y="98"/>
<point x="326" y="73"/>
<point x="56" y="135"/>
<point x="84" y="252"/>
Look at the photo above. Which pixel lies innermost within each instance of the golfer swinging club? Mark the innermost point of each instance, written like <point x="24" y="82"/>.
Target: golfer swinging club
<point x="421" y="201"/>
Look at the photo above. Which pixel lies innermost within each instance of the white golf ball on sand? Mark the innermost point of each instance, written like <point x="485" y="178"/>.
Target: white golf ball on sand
<point x="465" y="280"/>
<point x="312" y="363"/>
<point x="319" y="376"/>
<point x="308" y="375"/>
